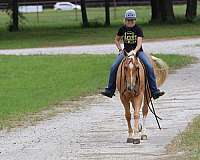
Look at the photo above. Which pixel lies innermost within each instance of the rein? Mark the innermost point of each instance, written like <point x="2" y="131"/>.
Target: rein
<point x="148" y="92"/>
<point x="121" y="76"/>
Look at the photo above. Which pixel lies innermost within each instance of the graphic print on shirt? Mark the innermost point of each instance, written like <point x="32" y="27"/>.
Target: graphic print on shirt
<point x="130" y="37"/>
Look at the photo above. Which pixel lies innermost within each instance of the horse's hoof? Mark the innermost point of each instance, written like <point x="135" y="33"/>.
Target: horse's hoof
<point x="129" y="140"/>
<point x="143" y="137"/>
<point x="136" y="141"/>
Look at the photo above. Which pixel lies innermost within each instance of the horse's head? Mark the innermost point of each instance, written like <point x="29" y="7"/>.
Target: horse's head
<point x="131" y="71"/>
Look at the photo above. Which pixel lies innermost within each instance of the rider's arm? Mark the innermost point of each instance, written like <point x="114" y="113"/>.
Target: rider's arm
<point x="139" y="44"/>
<point x="117" y="42"/>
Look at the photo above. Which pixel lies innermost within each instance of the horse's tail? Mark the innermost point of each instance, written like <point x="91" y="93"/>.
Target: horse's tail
<point x="161" y="70"/>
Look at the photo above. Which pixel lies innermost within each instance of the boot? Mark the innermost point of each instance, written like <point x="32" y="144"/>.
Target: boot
<point x="107" y="93"/>
<point x="157" y="94"/>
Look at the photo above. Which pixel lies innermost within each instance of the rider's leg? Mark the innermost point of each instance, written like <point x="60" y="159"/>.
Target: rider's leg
<point x="150" y="74"/>
<point x="110" y="90"/>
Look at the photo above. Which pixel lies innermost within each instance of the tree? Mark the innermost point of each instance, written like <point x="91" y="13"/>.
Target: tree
<point x="107" y="12"/>
<point x="166" y="10"/>
<point x="155" y="11"/>
<point x="162" y="10"/>
<point x="14" y="14"/>
<point x="191" y="10"/>
<point x="84" y="14"/>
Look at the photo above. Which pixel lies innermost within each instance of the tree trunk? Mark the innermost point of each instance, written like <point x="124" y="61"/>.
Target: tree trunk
<point x="15" y="16"/>
<point x="162" y="10"/>
<point x="191" y="10"/>
<point x="107" y="12"/>
<point x="166" y="9"/>
<point x="155" y="11"/>
<point x="84" y="14"/>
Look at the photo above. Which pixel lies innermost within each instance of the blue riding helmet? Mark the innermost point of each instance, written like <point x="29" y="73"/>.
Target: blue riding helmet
<point x="130" y="14"/>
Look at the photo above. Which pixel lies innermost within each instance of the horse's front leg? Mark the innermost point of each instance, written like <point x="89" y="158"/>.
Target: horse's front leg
<point x="137" y="102"/>
<point x="126" y="105"/>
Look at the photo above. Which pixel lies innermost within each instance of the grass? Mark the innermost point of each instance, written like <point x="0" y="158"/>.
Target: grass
<point x="58" y="28"/>
<point x="188" y="141"/>
<point x="30" y="84"/>
<point x="175" y="61"/>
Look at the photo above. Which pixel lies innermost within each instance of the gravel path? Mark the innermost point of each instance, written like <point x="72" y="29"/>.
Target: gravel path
<point x="172" y="46"/>
<point x="98" y="130"/>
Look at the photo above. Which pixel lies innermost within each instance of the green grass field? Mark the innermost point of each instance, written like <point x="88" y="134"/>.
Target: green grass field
<point x="190" y="140"/>
<point x="187" y="142"/>
<point x="60" y="28"/>
<point x="176" y="62"/>
<point x="30" y="84"/>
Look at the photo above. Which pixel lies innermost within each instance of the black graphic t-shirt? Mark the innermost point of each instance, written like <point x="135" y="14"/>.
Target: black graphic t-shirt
<point x="130" y="35"/>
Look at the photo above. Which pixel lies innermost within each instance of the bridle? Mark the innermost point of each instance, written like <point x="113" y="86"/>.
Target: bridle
<point x="125" y="63"/>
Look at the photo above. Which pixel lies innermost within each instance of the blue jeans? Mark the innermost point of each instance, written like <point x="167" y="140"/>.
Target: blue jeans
<point x="113" y="72"/>
<point x="150" y="72"/>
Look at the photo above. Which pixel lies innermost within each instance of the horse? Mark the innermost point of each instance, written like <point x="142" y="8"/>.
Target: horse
<point x="134" y="90"/>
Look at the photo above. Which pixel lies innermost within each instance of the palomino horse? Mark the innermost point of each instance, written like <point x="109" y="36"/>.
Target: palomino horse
<point x="131" y="84"/>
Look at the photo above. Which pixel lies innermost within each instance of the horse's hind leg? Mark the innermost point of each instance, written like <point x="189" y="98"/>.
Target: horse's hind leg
<point x="145" y="112"/>
<point x="126" y="105"/>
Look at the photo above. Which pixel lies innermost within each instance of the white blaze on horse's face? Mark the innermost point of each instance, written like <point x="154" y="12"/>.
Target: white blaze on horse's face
<point x="131" y="65"/>
<point x="131" y="77"/>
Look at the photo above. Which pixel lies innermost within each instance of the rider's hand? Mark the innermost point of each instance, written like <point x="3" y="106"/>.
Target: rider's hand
<point x="133" y="53"/>
<point x="120" y="51"/>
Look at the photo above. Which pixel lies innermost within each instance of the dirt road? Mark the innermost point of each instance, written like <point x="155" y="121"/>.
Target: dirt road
<point x="164" y="46"/>
<point x="98" y="130"/>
